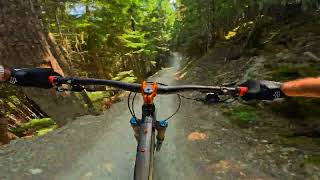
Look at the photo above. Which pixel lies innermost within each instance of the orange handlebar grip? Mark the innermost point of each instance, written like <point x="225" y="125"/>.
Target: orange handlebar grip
<point x="243" y="91"/>
<point x="51" y="79"/>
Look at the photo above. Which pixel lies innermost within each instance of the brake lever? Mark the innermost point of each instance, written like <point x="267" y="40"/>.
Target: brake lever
<point x="77" y="88"/>
<point x="74" y="88"/>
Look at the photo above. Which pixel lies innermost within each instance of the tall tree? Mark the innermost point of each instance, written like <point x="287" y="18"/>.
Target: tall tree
<point x="24" y="42"/>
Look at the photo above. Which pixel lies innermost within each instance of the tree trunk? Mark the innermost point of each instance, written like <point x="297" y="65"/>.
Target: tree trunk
<point x="4" y="138"/>
<point x="25" y="43"/>
<point x="22" y="39"/>
<point x="92" y="48"/>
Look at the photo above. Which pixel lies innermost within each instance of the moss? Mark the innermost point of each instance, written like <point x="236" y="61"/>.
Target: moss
<point x="44" y="131"/>
<point x="33" y="124"/>
<point x="243" y="115"/>
<point x="38" y="123"/>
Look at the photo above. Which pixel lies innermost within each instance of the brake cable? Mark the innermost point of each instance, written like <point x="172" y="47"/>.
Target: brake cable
<point x="128" y="103"/>
<point x="132" y="104"/>
<point x="192" y="99"/>
<point x="179" y="106"/>
<point x="203" y="100"/>
<point x="131" y="108"/>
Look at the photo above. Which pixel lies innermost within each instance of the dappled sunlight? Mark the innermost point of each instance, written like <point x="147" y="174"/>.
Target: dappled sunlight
<point x="197" y="136"/>
<point x="108" y="166"/>
<point x="222" y="165"/>
<point x="185" y="68"/>
<point x="184" y="71"/>
<point x="86" y="176"/>
<point x="180" y="76"/>
<point x="230" y="35"/>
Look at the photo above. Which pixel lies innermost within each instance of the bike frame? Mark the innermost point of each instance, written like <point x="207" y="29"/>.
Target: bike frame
<point x="146" y="144"/>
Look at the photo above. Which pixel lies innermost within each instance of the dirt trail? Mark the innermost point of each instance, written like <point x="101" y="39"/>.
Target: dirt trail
<point x="101" y="147"/>
<point x="200" y="144"/>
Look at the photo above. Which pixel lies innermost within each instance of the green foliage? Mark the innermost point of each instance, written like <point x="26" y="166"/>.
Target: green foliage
<point x="111" y="30"/>
<point x="200" y="24"/>
<point x="134" y="40"/>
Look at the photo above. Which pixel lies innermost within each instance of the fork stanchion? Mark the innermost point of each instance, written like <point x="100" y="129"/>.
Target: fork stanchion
<point x="161" y="127"/>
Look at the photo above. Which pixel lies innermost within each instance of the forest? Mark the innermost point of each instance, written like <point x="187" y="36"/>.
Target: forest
<point x="221" y="42"/>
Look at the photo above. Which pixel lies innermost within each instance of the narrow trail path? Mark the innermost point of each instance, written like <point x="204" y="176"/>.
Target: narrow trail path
<point x="200" y="144"/>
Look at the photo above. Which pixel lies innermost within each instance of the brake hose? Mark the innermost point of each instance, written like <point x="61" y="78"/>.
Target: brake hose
<point x="131" y="108"/>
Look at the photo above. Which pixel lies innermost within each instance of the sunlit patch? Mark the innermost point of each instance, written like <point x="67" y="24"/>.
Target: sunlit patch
<point x="197" y="136"/>
<point x="180" y="76"/>
<point x="230" y="35"/>
<point x="108" y="167"/>
<point x="226" y="166"/>
<point x="183" y="72"/>
<point x="222" y="165"/>
<point x="35" y="171"/>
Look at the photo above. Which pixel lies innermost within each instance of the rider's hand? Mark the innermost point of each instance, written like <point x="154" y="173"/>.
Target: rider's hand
<point x="262" y="90"/>
<point x="33" y="77"/>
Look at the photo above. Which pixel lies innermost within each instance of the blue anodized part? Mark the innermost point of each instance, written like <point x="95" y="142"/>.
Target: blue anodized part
<point x="163" y="123"/>
<point x="133" y="121"/>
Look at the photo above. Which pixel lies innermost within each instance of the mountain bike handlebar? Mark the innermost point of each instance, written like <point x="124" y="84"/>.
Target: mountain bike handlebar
<point x="135" y="87"/>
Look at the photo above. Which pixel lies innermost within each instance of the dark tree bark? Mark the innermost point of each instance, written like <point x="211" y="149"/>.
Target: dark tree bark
<point x="22" y="39"/>
<point x="4" y="138"/>
<point x="24" y="42"/>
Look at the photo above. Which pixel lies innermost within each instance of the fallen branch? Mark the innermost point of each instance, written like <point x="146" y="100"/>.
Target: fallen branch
<point x="312" y="56"/>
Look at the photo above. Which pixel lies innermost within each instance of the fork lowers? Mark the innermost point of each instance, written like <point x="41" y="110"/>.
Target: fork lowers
<point x="161" y="127"/>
